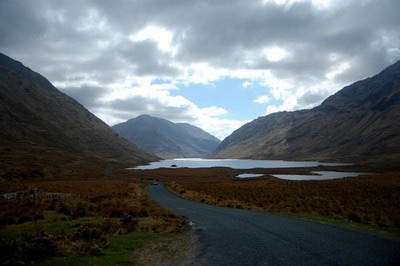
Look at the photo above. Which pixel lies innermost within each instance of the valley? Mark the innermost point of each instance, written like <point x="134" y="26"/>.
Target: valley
<point x="322" y="183"/>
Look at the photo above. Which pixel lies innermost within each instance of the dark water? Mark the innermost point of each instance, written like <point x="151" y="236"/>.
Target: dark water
<point x="232" y="163"/>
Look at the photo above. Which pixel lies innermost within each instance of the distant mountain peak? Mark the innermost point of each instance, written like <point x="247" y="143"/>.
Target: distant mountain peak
<point x="167" y="139"/>
<point x="145" y="116"/>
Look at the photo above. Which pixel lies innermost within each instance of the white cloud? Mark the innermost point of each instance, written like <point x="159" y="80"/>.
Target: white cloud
<point x="161" y="36"/>
<point x="247" y="84"/>
<point x="262" y="99"/>
<point x="316" y="3"/>
<point x="275" y="54"/>
<point x="122" y="102"/>
<point x="218" y="127"/>
<point x="341" y="68"/>
<point x="213" y="111"/>
<point x="273" y="109"/>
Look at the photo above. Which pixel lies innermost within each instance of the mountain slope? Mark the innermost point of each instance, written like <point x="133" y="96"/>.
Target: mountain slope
<point x="167" y="139"/>
<point x="361" y="121"/>
<point x="40" y="122"/>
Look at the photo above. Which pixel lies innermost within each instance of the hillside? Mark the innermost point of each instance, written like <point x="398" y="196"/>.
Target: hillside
<point x="361" y="121"/>
<point x="43" y="128"/>
<point x="167" y="139"/>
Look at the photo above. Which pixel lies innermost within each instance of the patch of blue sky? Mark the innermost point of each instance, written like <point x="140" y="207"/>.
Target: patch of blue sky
<point x="229" y="94"/>
<point x="159" y="81"/>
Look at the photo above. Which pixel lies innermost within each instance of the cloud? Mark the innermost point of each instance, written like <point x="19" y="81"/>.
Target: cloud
<point x="247" y="84"/>
<point x="89" y="96"/>
<point x="147" y="59"/>
<point x="262" y="99"/>
<point x="21" y="22"/>
<point x="161" y="36"/>
<point x="175" y="108"/>
<point x="310" y="98"/>
<point x="108" y="53"/>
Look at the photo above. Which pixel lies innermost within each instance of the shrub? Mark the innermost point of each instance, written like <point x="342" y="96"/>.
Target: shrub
<point x="129" y="223"/>
<point x="26" y="249"/>
<point x="24" y="219"/>
<point x="64" y="210"/>
<point x="6" y="221"/>
<point x="116" y="214"/>
<point x="79" y="211"/>
<point x="38" y="217"/>
<point x="88" y="233"/>
<point x="354" y="217"/>
<point x="144" y="213"/>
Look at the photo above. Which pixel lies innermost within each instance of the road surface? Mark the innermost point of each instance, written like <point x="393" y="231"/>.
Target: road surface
<point x="240" y="237"/>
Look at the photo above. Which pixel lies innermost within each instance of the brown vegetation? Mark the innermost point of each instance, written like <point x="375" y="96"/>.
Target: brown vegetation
<point x="371" y="199"/>
<point x="75" y="217"/>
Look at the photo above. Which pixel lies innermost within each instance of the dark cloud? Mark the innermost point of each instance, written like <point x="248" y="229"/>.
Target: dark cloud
<point x="86" y="95"/>
<point x="21" y="24"/>
<point x="136" y="105"/>
<point x="75" y="42"/>
<point x="312" y="98"/>
<point x="207" y="31"/>
<point x="147" y="58"/>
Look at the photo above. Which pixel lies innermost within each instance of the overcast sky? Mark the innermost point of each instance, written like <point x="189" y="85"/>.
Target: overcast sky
<point x="214" y="64"/>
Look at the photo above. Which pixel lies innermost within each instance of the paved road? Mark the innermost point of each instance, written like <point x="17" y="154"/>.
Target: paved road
<point x="241" y="237"/>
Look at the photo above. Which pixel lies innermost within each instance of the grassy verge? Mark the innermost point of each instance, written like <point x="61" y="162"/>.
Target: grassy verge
<point x="80" y="221"/>
<point x="119" y="252"/>
<point x="389" y="232"/>
<point x="169" y="249"/>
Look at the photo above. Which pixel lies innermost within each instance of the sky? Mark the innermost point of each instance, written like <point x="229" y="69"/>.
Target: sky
<point x="214" y="64"/>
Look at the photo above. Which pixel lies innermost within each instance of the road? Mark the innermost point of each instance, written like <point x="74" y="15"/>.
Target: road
<point x="240" y="237"/>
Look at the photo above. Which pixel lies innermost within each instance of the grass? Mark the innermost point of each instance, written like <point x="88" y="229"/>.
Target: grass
<point x="109" y="221"/>
<point x="80" y="220"/>
<point x="169" y="249"/>
<point x="119" y="252"/>
<point x="366" y="202"/>
<point x="53" y="223"/>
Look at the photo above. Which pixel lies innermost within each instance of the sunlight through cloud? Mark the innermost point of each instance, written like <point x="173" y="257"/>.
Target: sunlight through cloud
<point x="160" y="35"/>
<point x="275" y="54"/>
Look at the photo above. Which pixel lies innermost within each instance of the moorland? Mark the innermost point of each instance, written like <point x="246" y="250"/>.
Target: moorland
<point x="365" y="202"/>
<point x="86" y="218"/>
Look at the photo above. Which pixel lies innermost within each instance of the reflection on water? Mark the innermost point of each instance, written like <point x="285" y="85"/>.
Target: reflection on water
<point x="232" y="163"/>
<point x="319" y="175"/>
<point x="247" y="175"/>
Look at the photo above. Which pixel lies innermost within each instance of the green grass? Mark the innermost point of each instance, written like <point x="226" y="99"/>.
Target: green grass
<point x="52" y="224"/>
<point x="119" y="252"/>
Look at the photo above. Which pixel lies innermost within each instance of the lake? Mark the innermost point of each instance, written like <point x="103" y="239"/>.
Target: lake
<point x="320" y="175"/>
<point x="232" y="163"/>
<point x="316" y="175"/>
<point x="248" y="175"/>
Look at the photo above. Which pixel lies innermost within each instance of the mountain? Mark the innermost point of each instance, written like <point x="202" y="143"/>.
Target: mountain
<point x="42" y="127"/>
<point x="167" y="139"/>
<point x="361" y="121"/>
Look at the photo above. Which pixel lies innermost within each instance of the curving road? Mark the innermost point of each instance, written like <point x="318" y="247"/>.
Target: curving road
<point x="241" y="237"/>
